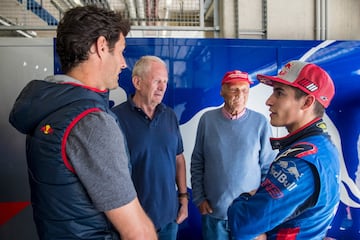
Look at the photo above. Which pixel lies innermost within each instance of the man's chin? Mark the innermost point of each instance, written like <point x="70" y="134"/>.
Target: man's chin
<point x="274" y="123"/>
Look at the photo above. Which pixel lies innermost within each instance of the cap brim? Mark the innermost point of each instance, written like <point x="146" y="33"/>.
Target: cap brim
<point x="269" y="80"/>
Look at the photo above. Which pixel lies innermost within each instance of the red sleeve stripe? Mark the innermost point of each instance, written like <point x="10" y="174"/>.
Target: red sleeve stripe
<point x="66" y="135"/>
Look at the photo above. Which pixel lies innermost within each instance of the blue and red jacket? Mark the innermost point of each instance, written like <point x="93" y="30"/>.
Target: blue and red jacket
<point x="46" y="112"/>
<point x="299" y="196"/>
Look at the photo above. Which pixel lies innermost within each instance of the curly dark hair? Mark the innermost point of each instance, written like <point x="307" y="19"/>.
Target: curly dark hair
<point x="80" y="27"/>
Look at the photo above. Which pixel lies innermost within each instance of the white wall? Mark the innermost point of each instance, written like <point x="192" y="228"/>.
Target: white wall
<point x="21" y="61"/>
<point x="290" y="19"/>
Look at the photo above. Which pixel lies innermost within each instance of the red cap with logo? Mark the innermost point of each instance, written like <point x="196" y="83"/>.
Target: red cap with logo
<point x="307" y="77"/>
<point x="235" y="76"/>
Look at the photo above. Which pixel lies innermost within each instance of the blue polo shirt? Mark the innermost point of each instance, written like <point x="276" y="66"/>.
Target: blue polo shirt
<point x="153" y="145"/>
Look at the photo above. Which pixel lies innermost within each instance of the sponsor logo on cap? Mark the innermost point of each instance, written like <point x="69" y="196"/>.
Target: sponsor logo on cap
<point x="285" y="69"/>
<point x="238" y="74"/>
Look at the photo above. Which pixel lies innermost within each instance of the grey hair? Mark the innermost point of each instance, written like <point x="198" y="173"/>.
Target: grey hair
<point x="142" y="66"/>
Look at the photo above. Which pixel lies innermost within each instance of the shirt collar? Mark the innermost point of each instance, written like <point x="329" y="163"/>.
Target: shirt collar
<point x="231" y="116"/>
<point x="315" y="127"/>
<point x="159" y="108"/>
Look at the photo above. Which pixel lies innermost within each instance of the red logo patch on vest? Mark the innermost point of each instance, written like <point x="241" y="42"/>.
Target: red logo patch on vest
<point x="47" y="129"/>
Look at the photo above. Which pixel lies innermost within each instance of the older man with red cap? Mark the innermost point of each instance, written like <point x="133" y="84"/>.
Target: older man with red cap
<point x="231" y="156"/>
<point x="298" y="198"/>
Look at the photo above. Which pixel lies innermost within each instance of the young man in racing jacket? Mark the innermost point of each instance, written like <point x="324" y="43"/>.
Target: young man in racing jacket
<point x="298" y="198"/>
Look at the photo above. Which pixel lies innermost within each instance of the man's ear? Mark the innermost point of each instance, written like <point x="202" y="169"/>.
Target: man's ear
<point x="101" y="46"/>
<point x="136" y="81"/>
<point x="309" y="101"/>
<point x="222" y="91"/>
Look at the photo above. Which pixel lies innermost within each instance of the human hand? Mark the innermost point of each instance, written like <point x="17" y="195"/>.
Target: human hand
<point x="205" y="207"/>
<point x="261" y="237"/>
<point x="183" y="211"/>
<point x="252" y="192"/>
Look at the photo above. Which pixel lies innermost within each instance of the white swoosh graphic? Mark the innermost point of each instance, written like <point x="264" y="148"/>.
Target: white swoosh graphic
<point x="344" y="175"/>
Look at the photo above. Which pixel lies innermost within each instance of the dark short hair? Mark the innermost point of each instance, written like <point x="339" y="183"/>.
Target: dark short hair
<point x="80" y="27"/>
<point x="319" y="109"/>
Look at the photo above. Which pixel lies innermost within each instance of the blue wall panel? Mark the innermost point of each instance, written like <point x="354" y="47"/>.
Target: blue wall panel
<point x="196" y="67"/>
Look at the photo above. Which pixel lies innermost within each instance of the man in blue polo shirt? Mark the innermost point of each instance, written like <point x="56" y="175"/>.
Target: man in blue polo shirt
<point x="155" y="146"/>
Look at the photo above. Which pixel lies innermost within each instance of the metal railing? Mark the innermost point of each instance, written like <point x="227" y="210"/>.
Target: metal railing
<point x="149" y="18"/>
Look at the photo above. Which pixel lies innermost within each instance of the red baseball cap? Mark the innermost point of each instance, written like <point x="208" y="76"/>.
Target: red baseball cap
<point x="307" y="77"/>
<point x="235" y="76"/>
